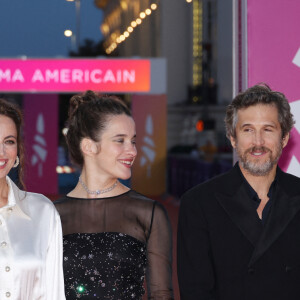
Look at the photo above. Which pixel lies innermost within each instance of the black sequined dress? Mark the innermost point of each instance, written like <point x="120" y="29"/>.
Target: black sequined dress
<point x="111" y="245"/>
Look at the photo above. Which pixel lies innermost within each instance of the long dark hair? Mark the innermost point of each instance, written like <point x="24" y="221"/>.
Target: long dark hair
<point x="13" y="112"/>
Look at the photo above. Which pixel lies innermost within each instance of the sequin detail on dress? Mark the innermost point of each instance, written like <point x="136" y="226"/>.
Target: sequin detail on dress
<point x="106" y="265"/>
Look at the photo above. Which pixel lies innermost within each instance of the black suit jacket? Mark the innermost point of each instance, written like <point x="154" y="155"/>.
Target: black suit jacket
<point x="224" y="251"/>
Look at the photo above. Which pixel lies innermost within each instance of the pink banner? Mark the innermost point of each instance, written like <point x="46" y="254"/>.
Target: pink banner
<point x="74" y="75"/>
<point x="274" y="57"/>
<point x="41" y="139"/>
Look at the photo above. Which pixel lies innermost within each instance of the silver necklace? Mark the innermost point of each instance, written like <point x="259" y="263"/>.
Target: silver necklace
<point x="97" y="192"/>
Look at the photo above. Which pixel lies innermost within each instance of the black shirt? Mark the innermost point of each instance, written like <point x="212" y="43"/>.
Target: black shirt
<point x="256" y="201"/>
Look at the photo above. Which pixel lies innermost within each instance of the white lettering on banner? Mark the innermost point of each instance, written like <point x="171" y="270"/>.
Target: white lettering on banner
<point x="93" y="76"/>
<point x="16" y="76"/>
<point x="65" y="76"/>
<point x="52" y="75"/>
<point x="38" y="76"/>
<point x="70" y="76"/>
<point x="86" y="76"/>
<point x="82" y="76"/>
<point x="109" y="76"/>
<point x="77" y="76"/>
<point x="128" y="76"/>
<point x="119" y="76"/>
<point x="5" y="75"/>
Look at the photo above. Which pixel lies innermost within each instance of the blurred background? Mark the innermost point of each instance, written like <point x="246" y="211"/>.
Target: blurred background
<point x="176" y="63"/>
<point x="189" y="46"/>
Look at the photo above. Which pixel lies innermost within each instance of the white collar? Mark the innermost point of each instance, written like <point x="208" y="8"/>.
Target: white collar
<point x="16" y="199"/>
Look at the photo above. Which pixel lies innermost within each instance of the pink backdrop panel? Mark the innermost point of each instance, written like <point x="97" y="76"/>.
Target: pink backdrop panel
<point x="41" y="139"/>
<point x="273" y="29"/>
<point x="149" y="169"/>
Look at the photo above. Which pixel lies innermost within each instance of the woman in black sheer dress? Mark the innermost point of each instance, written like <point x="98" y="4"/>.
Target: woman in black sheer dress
<point x="114" y="237"/>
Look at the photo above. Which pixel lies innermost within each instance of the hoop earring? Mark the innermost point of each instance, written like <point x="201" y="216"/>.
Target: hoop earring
<point x="17" y="162"/>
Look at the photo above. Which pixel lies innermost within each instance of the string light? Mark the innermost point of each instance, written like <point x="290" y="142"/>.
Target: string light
<point x="197" y="43"/>
<point x="115" y="40"/>
<point x="153" y="6"/>
<point x="142" y="15"/>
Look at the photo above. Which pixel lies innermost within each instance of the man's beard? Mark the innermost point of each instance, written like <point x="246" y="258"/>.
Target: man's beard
<point x="257" y="168"/>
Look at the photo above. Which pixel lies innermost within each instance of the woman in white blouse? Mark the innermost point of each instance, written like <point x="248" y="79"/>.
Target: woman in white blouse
<point x="30" y="228"/>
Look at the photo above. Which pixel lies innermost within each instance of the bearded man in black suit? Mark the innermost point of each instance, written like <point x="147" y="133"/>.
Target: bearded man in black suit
<point x="239" y="233"/>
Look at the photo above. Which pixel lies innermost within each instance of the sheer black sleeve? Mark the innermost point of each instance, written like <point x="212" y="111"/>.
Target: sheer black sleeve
<point x="159" y="247"/>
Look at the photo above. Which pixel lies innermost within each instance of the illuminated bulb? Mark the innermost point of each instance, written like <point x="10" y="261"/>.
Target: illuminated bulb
<point x="124" y="5"/>
<point x="129" y="29"/>
<point x="142" y="15"/>
<point x="188" y="1"/>
<point x="138" y="21"/>
<point x="118" y="40"/>
<point x="67" y="169"/>
<point x="133" y="24"/>
<point x="148" y="11"/>
<point x="68" y="33"/>
<point x="104" y="28"/>
<point x="122" y="38"/>
<point x="200" y="123"/>
<point x="59" y="169"/>
<point x="126" y="34"/>
<point x="153" y="6"/>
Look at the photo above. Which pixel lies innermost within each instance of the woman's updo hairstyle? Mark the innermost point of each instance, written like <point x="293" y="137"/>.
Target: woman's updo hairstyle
<point x="88" y="117"/>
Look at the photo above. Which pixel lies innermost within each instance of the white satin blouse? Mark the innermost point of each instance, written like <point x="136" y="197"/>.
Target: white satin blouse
<point x="30" y="248"/>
